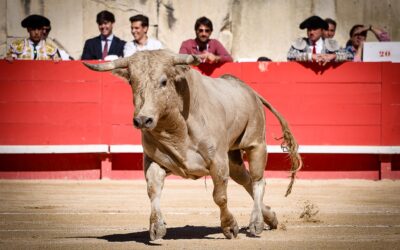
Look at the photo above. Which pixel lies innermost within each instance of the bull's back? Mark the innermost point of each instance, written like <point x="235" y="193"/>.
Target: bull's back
<point x="239" y="106"/>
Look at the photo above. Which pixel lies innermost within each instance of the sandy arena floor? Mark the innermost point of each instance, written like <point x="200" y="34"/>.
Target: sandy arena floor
<point x="338" y="214"/>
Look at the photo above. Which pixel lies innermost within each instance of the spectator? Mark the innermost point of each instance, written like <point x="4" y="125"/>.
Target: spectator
<point x="33" y="47"/>
<point x="45" y="36"/>
<point x="139" y="28"/>
<point x="330" y="32"/>
<point x="315" y="48"/>
<point x="358" y="35"/>
<point x="106" y="43"/>
<point x="263" y="59"/>
<point x="210" y="50"/>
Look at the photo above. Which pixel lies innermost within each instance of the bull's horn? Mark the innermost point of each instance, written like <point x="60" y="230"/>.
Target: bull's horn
<point x="116" y="64"/>
<point x="187" y="59"/>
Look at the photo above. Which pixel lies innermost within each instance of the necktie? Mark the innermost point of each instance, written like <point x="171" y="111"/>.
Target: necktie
<point x="34" y="52"/>
<point x="105" y="50"/>
<point x="314" y="50"/>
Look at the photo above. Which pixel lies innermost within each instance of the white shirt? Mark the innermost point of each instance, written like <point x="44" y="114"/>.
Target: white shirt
<point x="319" y="45"/>
<point x="132" y="47"/>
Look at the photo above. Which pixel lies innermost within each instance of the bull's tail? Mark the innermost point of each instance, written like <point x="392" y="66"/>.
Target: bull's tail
<point x="289" y="144"/>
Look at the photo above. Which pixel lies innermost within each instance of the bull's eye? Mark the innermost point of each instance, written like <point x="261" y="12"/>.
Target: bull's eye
<point x="163" y="82"/>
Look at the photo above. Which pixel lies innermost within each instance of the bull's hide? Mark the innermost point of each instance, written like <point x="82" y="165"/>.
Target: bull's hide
<point x="193" y="125"/>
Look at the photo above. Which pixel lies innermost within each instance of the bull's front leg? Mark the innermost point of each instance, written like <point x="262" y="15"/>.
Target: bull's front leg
<point x="220" y="174"/>
<point x="155" y="176"/>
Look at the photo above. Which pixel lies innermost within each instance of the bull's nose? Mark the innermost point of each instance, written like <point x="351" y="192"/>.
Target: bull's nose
<point x="147" y="122"/>
<point x="143" y="122"/>
<point x="137" y="122"/>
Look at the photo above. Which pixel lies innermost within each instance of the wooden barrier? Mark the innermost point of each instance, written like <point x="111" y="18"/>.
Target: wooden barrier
<point x="61" y="120"/>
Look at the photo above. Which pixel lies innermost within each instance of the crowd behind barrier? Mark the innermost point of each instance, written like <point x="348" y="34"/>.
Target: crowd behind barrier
<point x="319" y="46"/>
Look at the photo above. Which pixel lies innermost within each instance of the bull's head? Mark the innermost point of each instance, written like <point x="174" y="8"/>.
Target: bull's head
<point x="157" y="81"/>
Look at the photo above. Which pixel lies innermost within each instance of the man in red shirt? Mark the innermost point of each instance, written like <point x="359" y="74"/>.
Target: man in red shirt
<point x="210" y="50"/>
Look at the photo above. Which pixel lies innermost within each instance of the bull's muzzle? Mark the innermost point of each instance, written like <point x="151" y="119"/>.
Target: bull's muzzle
<point x="143" y="122"/>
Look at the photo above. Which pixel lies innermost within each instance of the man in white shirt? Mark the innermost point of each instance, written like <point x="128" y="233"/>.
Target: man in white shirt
<point x="139" y="28"/>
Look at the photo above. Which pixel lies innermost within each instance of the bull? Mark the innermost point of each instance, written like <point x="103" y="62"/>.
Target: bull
<point x="193" y="126"/>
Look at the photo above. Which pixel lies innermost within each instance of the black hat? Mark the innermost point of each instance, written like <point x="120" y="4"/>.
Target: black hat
<point x="314" y="22"/>
<point x="35" y="21"/>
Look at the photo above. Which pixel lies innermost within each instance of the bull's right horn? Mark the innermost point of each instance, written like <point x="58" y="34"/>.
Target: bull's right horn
<point x="116" y="64"/>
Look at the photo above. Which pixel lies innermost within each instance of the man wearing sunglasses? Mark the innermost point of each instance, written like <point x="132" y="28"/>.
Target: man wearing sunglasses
<point x="210" y="50"/>
<point x="358" y="35"/>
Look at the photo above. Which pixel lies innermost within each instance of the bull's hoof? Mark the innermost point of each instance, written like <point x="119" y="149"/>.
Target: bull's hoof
<point x="157" y="230"/>
<point x="230" y="228"/>
<point x="256" y="225"/>
<point x="271" y="220"/>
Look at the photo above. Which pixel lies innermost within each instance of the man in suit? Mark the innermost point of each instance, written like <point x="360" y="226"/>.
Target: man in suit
<point x="106" y="43"/>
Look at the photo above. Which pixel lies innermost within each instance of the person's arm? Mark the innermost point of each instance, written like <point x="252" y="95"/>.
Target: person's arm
<point x="297" y="55"/>
<point x="380" y="34"/>
<point x="358" y="54"/>
<point x="86" y="53"/>
<point x="221" y="55"/>
<point x="10" y="56"/>
<point x="128" y="49"/>
<point x="184" y="48"/>
<point x="343" y="55"/>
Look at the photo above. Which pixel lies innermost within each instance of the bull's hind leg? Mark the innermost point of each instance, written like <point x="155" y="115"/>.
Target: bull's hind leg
<point x="155" y="176"/>
<point x="219" y="172"/>
<point x="239" y="174"/>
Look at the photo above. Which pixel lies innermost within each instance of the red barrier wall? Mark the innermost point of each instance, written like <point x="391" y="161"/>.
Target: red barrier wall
<point x="47" y="103"/>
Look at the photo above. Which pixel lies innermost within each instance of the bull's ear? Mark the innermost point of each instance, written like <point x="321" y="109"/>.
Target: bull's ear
<point x="182" y="59"/>
<point x="122" y="73"/>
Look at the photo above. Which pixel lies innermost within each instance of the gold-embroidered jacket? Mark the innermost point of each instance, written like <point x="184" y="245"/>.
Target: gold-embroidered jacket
<point x="22" y="49"/>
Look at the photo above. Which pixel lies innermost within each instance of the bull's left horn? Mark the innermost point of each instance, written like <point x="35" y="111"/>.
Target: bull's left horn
<point x="187" y="59"/>
<point x="119" y="63"/>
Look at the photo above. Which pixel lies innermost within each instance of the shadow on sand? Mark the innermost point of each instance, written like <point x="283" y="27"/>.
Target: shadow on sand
<point x="186" y="232"/>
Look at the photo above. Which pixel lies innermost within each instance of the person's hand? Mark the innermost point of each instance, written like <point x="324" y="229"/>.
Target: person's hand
<point x="323" y="59"/>
<point x="358" y="54"/>
<point x="326" y="58"/>
<point x="211" y="58"/>
<point x="9" y="59"/>
<point x="203" y="57"/>
<point x="364" y="28"/>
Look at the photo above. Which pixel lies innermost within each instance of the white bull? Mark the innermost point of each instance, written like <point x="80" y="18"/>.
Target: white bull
<point x="193" y="125"/>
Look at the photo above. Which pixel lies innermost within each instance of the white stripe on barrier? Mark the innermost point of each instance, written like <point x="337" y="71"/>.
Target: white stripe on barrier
<point x="306" y="149"/>
<point x="102" y="148"/>
<point x="126" y="149"/>
<point x="53" y="149"/>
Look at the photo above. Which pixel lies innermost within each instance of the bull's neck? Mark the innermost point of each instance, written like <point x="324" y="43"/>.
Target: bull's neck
<point x="171" y="128"/>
